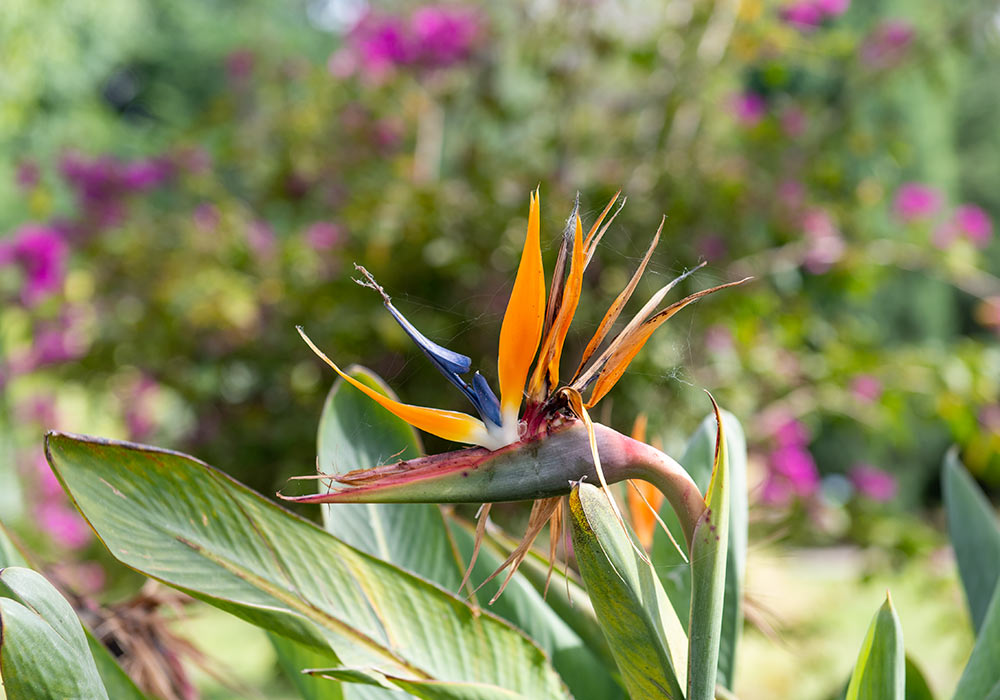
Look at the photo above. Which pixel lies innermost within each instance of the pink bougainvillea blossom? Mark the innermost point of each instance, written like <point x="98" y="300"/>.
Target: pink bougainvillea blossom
<point x="444" y="34"/>
<point x="432" y="37"/>
<point x="103" y="183"/>
<point x="974" y="223"/>
<point x="824" y="244"/>
<point x="915" y="201"/>
<point x="806" y="15"/>
<point x="969" y="222"/>
<point x="866" y="388"/>
<point x="873" y="483"/>
<point x="792" y="471"/>
<point x="323" y="236"/>
<point x="887" y="44"/>
<point x="749" y="108"/>
<point x="40" y="252"/>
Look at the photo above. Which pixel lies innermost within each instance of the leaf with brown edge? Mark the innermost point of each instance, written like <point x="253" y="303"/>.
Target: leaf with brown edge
<point x="182" y="522"/>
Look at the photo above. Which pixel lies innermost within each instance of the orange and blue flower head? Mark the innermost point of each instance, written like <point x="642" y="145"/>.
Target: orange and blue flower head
<point x="533" y="328"/>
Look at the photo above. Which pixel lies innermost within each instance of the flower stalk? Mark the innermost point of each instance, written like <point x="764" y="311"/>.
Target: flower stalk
<point x="541" y="467"/>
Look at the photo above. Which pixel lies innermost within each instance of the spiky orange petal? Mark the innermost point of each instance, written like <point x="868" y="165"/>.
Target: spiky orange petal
<point x="522" y="322"/>
<point x="450" y="425"/>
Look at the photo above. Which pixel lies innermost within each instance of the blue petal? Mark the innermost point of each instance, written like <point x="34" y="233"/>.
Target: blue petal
<point x="448" y="361"/>
<point x="487" y="403"/>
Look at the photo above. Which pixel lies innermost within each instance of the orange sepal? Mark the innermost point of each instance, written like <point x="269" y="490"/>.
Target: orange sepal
<point x="551" y="353"/>
<point x="626" y="346"/>
<point x="522" y="322"/>
<point x="450" y="425"/>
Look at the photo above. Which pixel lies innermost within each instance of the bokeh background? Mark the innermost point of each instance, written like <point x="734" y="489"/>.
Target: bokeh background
<point x="182" y="182"/>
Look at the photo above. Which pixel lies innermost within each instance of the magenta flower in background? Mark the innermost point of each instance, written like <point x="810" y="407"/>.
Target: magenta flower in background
<point x="792" y="471"/>
<point x="792" y="433"/>
<point x="749" y="108"/>
<point x="915" y="201"/>
<point x="806" y="15"/>
<point x="380" y="44"/>
<point x="444" y="34"/>
<point x="433" y="36"/>
<point x="824" y="244"/>
<point x="832" y="8"/>
<point x="873" y="483"/>
<point x="55" y="517"/>
<point x="887" y="43"/>
<point x="102" y="183"/>
<point x="261" y="239"/>
<point x="63" y="524"/>
<point x="145" y="174"/>
<point x="323" y="236"/>
<point x="40" y="252"/>
<point x="974" y="223"/>
<point x="866" y="388"/>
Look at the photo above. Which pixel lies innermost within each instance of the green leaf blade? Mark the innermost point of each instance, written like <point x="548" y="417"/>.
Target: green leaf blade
<point x="675" y="573"/>
<point x="880" y="672"/>
<point x="178" y="520"/>
<point x="43" y="650"/>
<point x="709" y="554"/>
<point x="642" y="628"/>
<point x="356" y="433"/>
<point x="975" y="536"/>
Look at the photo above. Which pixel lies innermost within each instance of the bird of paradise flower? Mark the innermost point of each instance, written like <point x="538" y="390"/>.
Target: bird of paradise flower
<point x="530" y="441"/>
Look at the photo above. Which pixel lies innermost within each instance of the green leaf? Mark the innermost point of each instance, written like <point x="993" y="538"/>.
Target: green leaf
<point x="674" y="572"/>
<point x="981" y="678"/>
<point x="645" y="636"/>
<point x="43" y="650"/>
<point x="194" y="528"/>
<point x="565" y="597"/>
<point x="523" y="605"/>
<point x="917" y="687"/>
<point x="975" y="535"/>
<point x="709" y="551"/>
<point x="357" y="433"/>
<point x="294" y="657"/>
<point x="880" y="672"/>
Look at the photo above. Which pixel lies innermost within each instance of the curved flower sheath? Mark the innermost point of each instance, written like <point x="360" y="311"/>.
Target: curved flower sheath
<point x="537" y="436"/>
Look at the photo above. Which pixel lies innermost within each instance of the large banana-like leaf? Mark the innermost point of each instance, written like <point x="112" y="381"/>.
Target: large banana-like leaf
<point x="880" y="672"/>
<point x="357" y="433"/>
<point x="562" y="594"/>
<point x="585" y="673"/>
<point x="645" y="636"/>
<point x="709" y="552"/>
<point x="43" y="649"/>
<point x="674" y="572"/>
<point x="192" y="527"/>
<point x="975" y="535"/>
